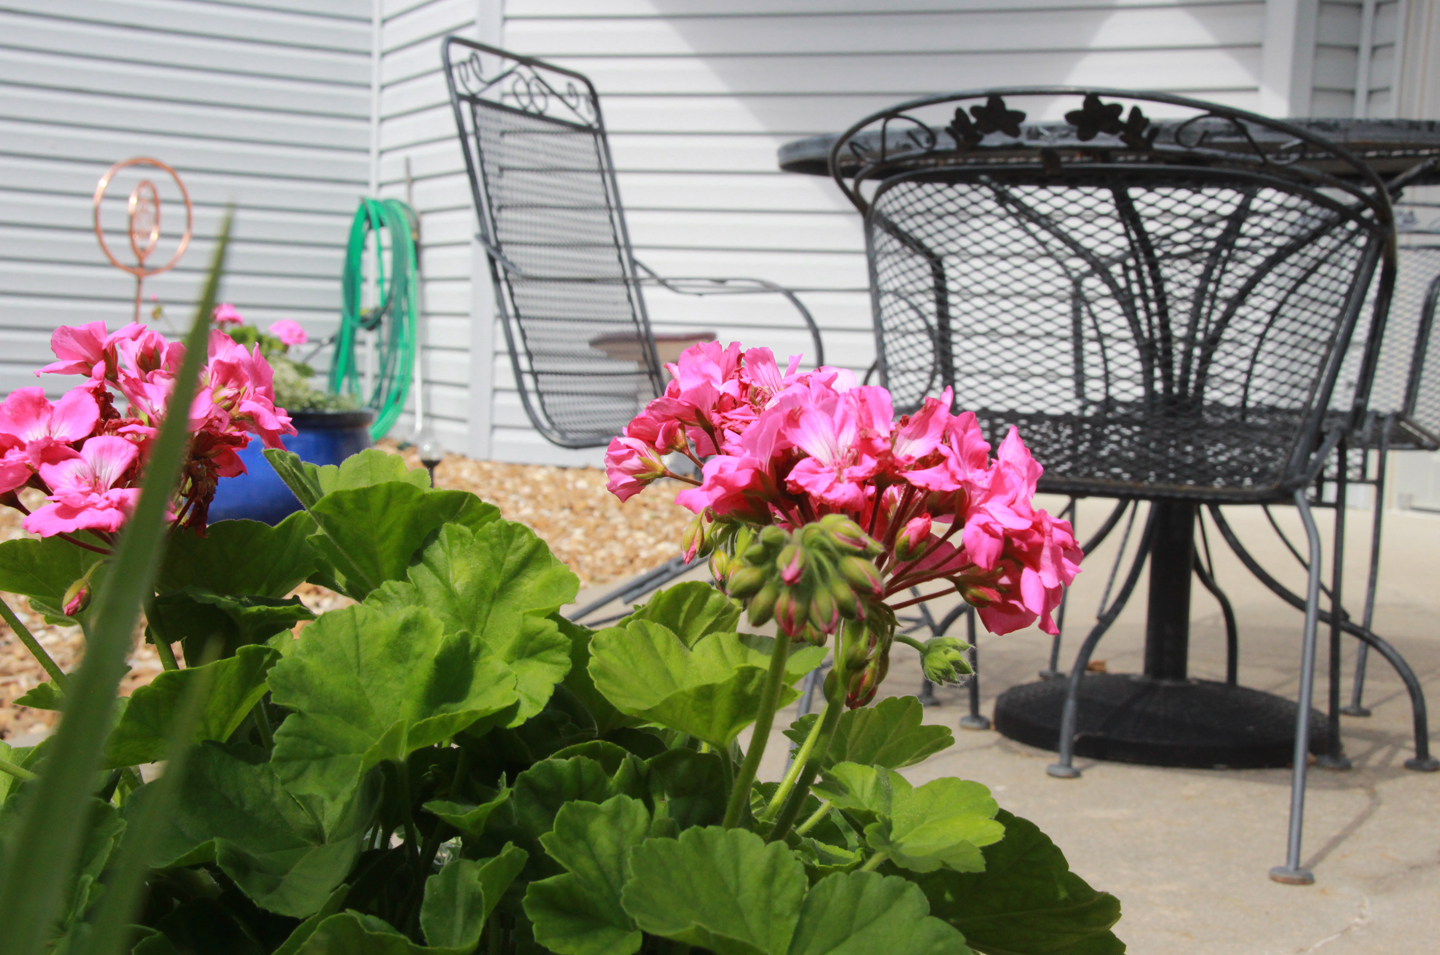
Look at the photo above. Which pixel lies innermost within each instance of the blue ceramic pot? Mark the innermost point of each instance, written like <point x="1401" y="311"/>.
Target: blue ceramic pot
<point x="326" y="437"/>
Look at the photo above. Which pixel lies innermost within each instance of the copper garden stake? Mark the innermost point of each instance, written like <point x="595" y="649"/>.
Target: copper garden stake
<point x="144" y="212"/>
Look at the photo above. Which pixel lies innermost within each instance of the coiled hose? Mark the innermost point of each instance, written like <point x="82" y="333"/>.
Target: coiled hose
<point x="393" y="319"/>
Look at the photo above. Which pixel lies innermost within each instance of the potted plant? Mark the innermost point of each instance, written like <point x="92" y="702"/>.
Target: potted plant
<point x="450" y="766"/>
<point x="329" y="427"/>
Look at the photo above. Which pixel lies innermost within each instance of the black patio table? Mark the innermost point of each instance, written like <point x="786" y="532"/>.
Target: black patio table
<point x="1162" y="718"/>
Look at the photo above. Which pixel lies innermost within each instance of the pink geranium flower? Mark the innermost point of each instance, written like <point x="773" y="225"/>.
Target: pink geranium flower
<point x="28" y="417"/>
<point x="81" y="350"/>
<point x="225" y="314"/>
<point x="631" y="466"/>
<point x="83" y="494"/>
<point x="289" y="332"/>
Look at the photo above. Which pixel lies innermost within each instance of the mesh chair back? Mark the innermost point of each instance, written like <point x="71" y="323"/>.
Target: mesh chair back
<point x="1160" y="317"/>
<point x="550" y="218"/>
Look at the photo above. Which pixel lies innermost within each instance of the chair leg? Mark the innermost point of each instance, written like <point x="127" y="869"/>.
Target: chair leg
<point x="1291" y="872"/>
<point x="973" y="720"/>
<point x="1064" y="767"/>
<point x="1334" y="756"/>
<point x="1377" y="522"/>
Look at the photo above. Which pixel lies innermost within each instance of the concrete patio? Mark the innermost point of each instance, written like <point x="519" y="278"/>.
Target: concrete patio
<point x="1188" y="851"/>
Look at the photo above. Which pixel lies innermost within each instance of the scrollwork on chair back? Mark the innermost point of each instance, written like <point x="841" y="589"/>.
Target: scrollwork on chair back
<point x="529" y="86"/>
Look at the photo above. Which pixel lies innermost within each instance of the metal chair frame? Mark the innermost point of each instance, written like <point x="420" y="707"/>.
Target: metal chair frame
<point x="486" y="84"/>
<point x="894" y="146"/>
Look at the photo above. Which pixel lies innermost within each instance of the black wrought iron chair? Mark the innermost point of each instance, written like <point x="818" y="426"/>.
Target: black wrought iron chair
<point x="568" y="287"/>
<point x="1163" y="309"/>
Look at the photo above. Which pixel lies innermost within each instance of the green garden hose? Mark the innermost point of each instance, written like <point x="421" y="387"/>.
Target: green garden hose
<point x="393" y="319"/>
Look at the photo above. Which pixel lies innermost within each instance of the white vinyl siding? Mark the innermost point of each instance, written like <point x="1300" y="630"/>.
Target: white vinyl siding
<point x="266" y="107"/>
<point x="1356" y="52"/>
<point x="699" y="94"/>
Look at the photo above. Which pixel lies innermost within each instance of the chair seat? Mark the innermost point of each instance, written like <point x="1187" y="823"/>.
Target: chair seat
<point x="1218" y="454"/>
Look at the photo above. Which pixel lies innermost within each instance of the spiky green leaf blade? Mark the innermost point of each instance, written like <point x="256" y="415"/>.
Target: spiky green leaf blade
<point x="45" y="853"/>
<point x="579" y="912"/>
<point x="367" y="686"/>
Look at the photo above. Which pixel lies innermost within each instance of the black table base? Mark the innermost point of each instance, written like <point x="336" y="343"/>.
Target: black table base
<point x="1131" y="718"/>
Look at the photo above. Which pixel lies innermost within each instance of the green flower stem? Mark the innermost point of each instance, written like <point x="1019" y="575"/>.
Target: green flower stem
<point x="792" y="775"/>
<point x="874" y="862"/>
<point x="57" y="675"/>
<point x="19" y="772"/>
<point x="769" y="703"/>
<point x="814" y="819"/>
<point x="166" y="652"/>
<point x="823" y="735"/>
<point x="262" y="726"/>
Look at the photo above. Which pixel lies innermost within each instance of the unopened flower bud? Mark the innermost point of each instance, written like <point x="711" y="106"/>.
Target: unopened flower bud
<point x="790" y="612"/>
<point x="914" y="540"/>
<point x="773" y="537"/>
<point x="719" y="565"/>
<point x="844" y="597"/>
<point x="692" y="542"/>
<point x="745" y="581"/>
<point x="77" y="597"/>
<point x="824" y="614"/>
<point x="862" y="574"/>
<point x="762" y="605"/>
<point x="792" y="564"/>
<point x="848" y="536"/>
<point x="816" y="638"/>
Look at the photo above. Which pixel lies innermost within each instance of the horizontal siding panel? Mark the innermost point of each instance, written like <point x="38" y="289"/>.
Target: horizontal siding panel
<point x="278" y="28"/>
<point x="739" y="230"/>
<point x="1335" y="68"/>
<point x="904" y="75"/>
<point x="1337" y="24"/>
<point x="772" y="193"/>
<point x="425" y="24"/>
<point x="98" y="43"/>
<point x="957" y="31"/>
<point x="200" y="162"/>
<point x="178" y="119"/>
<point x="518" y="10"/>
<point x="19" y="244"/>
<point x="190" y="86"/>
<point x="102" y="282"/>
<point x="411" y="62"/>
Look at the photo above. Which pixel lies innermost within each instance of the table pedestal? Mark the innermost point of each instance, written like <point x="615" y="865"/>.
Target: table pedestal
<point x="1162" y="717"/>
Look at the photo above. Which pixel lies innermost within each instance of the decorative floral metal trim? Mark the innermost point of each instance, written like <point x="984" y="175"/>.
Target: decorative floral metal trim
<point x="521" y="86"/>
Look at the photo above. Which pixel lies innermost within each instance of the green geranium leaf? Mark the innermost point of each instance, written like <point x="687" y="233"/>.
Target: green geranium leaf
<point x="195" y="617"/>
<point x="542" y="789"/>
<point x="240" y="558"/>
<point x="889" y="734"/>
<point x="579" y="913"/>
<point x="461" y="896"/>
<point x="43" y="570"/>
<point x="690" y="610"/>
<point x="860" y="913"/>
<point x="299" y="476"/>
<point x="607" y="718"/>
<point x="692" y="786"/>
<point x="236" y="684"/>
<point x="371" y="466"/>
<point x="502" y="583"/>
<point x="367" y="686"/>
<point x="351" y="933"/>
<point x="468" y="819"/>
<point x="237" y="816"/>
<point x="1027" y="901"/>
<point x="44" y="696"/>
<point x="721" y="889"/>
<point x="711" y="691"/>
<point x="307" y="928"/>
<point x="369" y="534"/>
<point x="944" y="822"/>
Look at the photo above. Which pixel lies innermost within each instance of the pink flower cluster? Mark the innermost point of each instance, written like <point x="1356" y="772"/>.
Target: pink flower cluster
<point x="789" y="447"/>
<point x="87" y="456"/>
